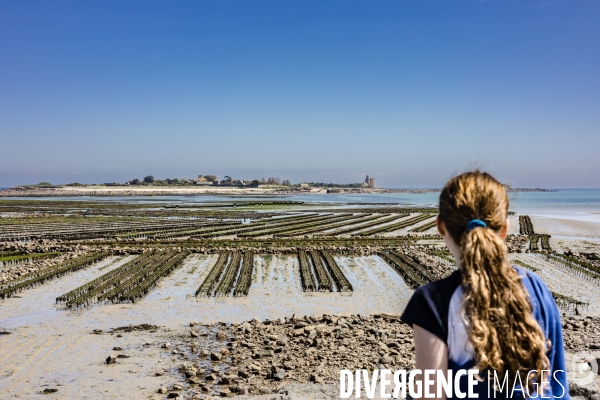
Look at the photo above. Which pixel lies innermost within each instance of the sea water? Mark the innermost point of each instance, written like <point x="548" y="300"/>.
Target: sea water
<point x="556" y="200"/>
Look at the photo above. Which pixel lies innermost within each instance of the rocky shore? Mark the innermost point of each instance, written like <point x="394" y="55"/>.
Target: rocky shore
<point x="300" y="357"/>
<point x="262" y="357"/>
<point x="20" y="268"/>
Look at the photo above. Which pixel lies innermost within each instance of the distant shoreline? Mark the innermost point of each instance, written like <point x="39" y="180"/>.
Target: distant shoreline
<point x="109" y="191"/>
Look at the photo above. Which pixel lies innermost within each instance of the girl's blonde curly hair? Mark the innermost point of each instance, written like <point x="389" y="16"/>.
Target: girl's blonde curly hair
<point x="502" y="329"/>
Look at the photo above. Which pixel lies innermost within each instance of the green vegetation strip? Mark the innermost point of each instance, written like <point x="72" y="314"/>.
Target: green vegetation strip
<point x="133" y="280"/>
<point x="245" y="280"/>
<point x="90" y="230"/>
<point x="31" y="256"/>
<point x="295" y="226"/>
<point x="144" y="285"/>
<point x="349" y="220"/>
<point x="174" y="230"/>
<point x="212" y="279"/>
<point x="381" y="210"/>
<point x="400" y="225"/>
<point x="581" y="263"/>
<point x="533" y="242"/>
<point x="354" y="228"/>
<point x="103" y="283"/>
<point x="306" y="277"/>
<point x="410" y="271"/>
<point x="230" y="275"/>
<point x="342" y="283"/>
<point x="322" y="278"/>
<point x="259" y="226"/>
<point x="563" y="301"/>
<point x="525" y="265"/>
<point x="128" y="282"/>
<point x="544" y="240"/>
<point x="575" y="264"/>
<point x="424" y="227"/>
<point x="444" y="255"/>
<point x="546" y="243"/>
<point x="267" y="243"/>
<point x="45" y="274"/>
<point x="525" y="225"/>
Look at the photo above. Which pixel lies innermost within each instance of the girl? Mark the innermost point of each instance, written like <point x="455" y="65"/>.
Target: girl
<point x="488" y="315"/>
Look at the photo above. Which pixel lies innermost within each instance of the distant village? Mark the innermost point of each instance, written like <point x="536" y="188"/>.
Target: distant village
<point x="227" y="181"/>
<point x="212" y="180"/>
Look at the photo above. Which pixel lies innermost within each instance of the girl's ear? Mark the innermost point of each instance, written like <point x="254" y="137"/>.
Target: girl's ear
<point x="504" y="230"/>
<point x="440" y="226"/>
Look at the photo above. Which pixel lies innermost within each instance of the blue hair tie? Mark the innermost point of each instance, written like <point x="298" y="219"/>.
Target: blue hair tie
<point x="475" y="223"/>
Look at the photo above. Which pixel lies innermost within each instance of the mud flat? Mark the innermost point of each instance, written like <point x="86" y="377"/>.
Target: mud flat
<point x="50" y="345"/>
<point x="277" y="341"/>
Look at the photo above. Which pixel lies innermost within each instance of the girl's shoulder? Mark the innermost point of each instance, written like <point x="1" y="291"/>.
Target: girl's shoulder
<point x="542" y="302"/>
<point x="429" y="305"/>
<point x="537" y="289"/>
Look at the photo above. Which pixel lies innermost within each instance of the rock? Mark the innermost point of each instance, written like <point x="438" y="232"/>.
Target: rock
<point x="162" y="390"/>
<point x="166" y="345"/>
<point x="111" y="360"/>
<point x="193" y="334"/>
<point x="224" y="392"/>
<point x="49" y="390"/>
<point x="211" y="377"/>
<point x="577" y="391"/>
<point x="173" y="395"/>
<point x="279" y="375"/>
<point x="117" y="348"/>
<point x="264" y="390"/>
<point x="204" y="388"/>
<point x="177" y="387"/>
<point x="159" y="373"/>
<point x="240" y="390"/>
<point x="204" y="353"/>
<point x="216" y="356"/>
<point x="386" y="359"/>
<point x="123" y="356"/>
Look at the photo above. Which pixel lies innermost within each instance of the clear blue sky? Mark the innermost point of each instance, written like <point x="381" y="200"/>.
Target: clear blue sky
<point x="407" y="91"/>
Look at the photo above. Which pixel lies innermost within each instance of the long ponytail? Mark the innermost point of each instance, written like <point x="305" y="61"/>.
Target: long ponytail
<point x="502" y="330"/>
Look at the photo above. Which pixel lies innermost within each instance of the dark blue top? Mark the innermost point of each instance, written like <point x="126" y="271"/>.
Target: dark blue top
<point x="434" y="307"/>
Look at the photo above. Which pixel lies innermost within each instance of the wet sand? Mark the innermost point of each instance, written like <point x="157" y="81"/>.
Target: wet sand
<point x="49" y="345"/>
